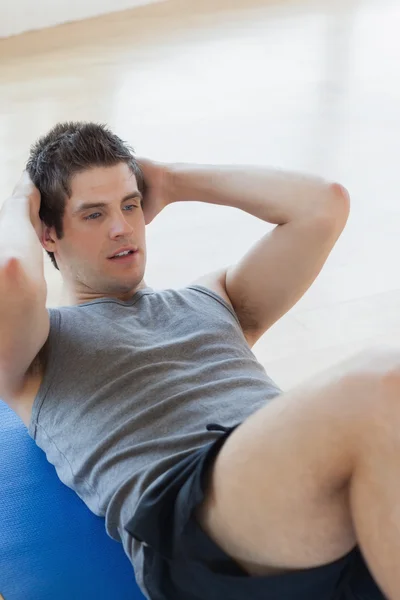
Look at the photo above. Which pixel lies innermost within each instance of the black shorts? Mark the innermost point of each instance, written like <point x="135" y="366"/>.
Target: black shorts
<point x="182" y="563"/>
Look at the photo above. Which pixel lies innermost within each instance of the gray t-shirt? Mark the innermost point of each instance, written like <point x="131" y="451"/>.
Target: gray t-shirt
<point x="130" y="387"/>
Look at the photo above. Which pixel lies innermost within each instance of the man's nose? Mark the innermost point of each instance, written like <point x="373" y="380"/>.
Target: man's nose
<point x="120" y="226"/>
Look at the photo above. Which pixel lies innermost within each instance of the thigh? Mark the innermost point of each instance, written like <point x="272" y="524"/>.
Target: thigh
<point x="277" y="494"/>
<point x="181" y="562"/>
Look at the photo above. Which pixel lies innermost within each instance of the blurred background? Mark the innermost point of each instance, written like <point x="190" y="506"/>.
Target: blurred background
<point x="303" y="84"/>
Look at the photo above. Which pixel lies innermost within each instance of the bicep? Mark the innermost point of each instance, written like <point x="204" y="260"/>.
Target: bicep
<point x="279" y="269"/>
<point x="25" y="325"/>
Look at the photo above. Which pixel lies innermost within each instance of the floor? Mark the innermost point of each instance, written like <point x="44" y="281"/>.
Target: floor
<point x="304" y="84"/>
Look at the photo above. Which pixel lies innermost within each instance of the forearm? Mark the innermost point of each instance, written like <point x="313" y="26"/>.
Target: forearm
<point x="23" y="290"/>
<point x="18" y="239"/>
<point x="271" y="195"/>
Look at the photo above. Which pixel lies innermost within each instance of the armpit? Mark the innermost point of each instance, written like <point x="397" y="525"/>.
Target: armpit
<point x="38" y="364"/>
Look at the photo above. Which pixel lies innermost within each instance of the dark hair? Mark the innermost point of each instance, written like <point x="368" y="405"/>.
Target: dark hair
<point x="68" y="149"/>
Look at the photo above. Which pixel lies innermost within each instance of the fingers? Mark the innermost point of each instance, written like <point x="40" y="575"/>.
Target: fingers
<point x="25" y="186"/>
<point x="144" y="162"/>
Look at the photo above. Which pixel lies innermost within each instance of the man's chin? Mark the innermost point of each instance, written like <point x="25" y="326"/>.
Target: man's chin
<point x="122" y="286"/>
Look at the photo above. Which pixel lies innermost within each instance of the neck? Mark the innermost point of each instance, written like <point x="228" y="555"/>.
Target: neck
<point x="73" y="295"/>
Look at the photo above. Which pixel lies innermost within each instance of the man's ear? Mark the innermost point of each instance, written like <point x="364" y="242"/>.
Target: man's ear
<point x="49" y="238"/>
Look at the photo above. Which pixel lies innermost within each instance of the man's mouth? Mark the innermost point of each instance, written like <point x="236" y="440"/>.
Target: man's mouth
<point x="123" y="252"/>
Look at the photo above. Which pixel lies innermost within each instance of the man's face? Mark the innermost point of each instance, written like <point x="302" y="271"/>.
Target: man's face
<point x="93" y="234"/>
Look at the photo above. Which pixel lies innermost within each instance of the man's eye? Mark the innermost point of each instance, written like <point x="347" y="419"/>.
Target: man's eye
<point x="94" y="216"/>
<point x="91" y="217"/>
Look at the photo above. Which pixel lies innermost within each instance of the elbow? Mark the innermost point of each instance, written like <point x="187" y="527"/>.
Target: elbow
<point x="341" y="195"/>
<point x="331" y="212"/>
<point x="339" y="198"/>
<point x="336" y="205"/>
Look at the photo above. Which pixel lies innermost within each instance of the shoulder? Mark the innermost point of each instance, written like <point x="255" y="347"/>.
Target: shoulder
<point x="215" y="282"/>
<point x="22" y="400"/>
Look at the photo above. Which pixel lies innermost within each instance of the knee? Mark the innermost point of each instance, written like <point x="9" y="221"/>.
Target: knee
<point x="376" y="373"/>
<point x="378" y="362"/>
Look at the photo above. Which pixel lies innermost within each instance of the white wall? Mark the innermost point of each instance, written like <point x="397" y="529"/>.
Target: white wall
<point x="17" y="16"/>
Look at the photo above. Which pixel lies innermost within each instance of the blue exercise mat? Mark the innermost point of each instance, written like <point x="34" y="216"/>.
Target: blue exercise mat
<point x="51" y="546"/>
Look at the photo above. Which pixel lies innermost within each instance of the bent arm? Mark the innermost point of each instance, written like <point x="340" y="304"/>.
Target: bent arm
<point x="24" y="321"/>
<point x="309" y="213"/>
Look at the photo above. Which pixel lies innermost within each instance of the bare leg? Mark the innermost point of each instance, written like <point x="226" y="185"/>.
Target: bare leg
<point x="305" y="479"/>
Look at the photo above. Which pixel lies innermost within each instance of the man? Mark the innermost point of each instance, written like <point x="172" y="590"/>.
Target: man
<point x="151" y="404"/>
